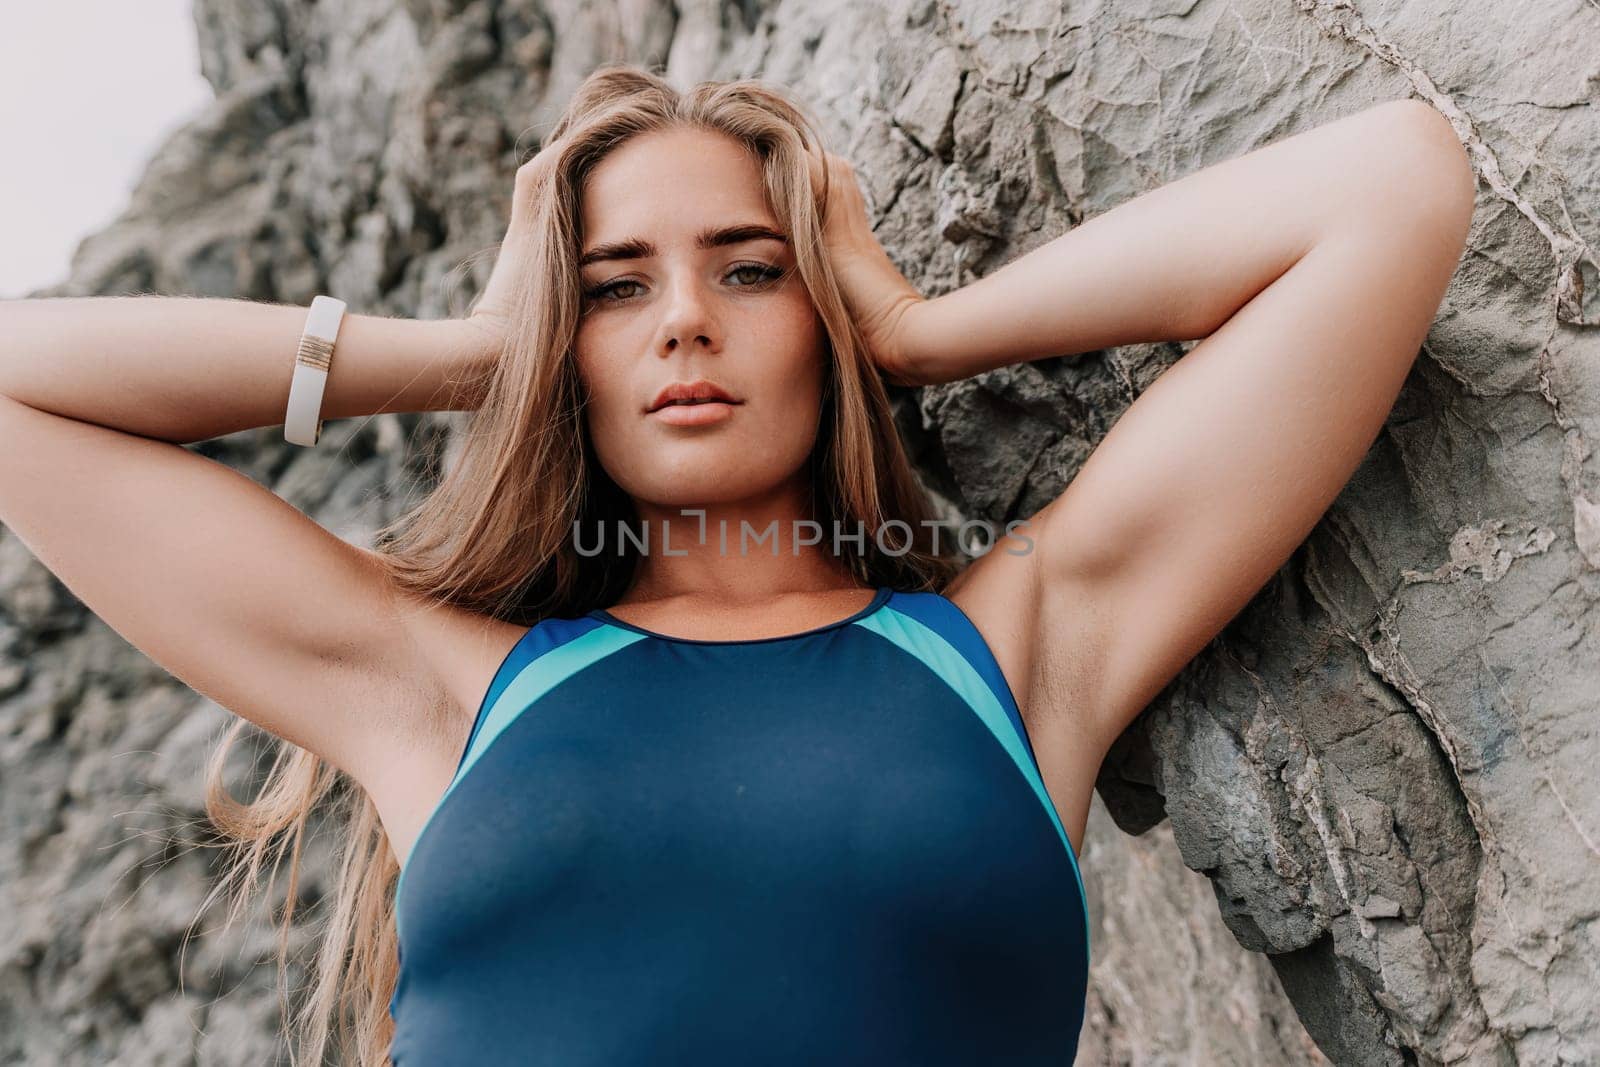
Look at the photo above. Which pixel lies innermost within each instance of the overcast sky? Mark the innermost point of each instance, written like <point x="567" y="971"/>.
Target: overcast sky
<point x="88" y="89"/>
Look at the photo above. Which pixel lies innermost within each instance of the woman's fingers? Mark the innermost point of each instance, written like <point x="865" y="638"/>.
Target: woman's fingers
<point x="529" y="184"/>
<point x="877" y="294"/>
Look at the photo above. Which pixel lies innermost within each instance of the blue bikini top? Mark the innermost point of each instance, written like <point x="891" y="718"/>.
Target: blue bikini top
<point x="832" y="846"/>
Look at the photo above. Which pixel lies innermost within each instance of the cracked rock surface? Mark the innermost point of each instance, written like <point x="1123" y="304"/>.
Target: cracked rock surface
<point x="1360" y="827"/>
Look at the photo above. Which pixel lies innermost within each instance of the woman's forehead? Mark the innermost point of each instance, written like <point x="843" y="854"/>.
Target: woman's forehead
<point x="682" y="180"/>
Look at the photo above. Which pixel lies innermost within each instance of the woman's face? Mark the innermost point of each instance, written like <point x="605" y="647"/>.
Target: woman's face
<point x="659" y="309"/>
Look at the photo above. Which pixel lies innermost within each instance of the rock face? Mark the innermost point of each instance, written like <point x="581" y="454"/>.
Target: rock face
<point x="1382" y="765"/>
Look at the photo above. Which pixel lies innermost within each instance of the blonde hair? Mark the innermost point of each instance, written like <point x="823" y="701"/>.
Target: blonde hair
<point x="492" y="536"/>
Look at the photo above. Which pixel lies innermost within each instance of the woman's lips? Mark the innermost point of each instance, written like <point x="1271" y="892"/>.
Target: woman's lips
<point x="701" y="413"/>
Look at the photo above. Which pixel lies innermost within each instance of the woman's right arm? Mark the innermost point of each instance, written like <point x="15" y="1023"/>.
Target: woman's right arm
<point x="223" y="583"/>
<point x="186" y="369"/>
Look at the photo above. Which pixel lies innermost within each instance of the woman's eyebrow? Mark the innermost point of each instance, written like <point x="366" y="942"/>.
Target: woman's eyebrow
<point x="712" y="237"/>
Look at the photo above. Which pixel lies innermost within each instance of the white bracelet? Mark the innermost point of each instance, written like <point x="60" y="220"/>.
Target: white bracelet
<point x="302" y="424"/>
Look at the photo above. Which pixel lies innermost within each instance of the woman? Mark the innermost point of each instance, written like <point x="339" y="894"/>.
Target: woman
<point x="798" y="796"/>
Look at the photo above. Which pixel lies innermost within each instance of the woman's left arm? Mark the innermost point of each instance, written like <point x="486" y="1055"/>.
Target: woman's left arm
<point x="1313" y="268"/>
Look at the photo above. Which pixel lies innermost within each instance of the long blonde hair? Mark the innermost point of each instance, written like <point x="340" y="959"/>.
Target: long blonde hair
<point x="492" y="536"/>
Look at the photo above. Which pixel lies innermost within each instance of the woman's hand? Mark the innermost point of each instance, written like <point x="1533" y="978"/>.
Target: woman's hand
<point x="878" y="295"/>
<point x="491" y="312"/>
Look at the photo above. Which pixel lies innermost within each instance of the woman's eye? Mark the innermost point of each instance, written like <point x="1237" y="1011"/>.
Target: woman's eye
<point x="763" y="272"/>
<point x="754" y="274"/>
<point x="604" y="292"/>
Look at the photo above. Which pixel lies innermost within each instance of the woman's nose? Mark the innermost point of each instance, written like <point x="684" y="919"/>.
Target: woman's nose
<point x="688" y="318"/>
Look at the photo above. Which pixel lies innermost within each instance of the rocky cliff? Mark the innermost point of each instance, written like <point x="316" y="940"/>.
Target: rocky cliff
<point x="1380" y="769"/>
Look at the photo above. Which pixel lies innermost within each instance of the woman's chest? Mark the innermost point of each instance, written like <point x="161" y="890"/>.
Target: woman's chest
<point x="759" y="783"/>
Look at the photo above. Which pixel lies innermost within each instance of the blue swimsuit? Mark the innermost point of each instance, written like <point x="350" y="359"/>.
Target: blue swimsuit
<point x="824" y="847"/>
